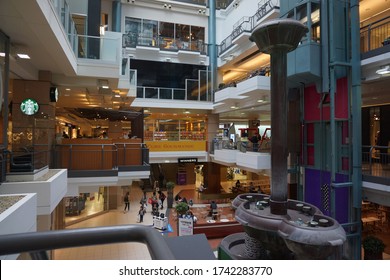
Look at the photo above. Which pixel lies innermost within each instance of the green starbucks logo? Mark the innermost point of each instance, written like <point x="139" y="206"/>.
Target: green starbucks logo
<point x="29" y="106"/>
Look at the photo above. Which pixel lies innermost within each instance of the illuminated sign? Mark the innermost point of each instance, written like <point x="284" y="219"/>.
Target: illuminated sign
<point x="29" y="107"/>
<point x="187" y="160"/>
<point x="175" y="146"/>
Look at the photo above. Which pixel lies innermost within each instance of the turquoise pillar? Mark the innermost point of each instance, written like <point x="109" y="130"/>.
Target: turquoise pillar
<point x="116" y="15"/>
<point x="212" y="50"/>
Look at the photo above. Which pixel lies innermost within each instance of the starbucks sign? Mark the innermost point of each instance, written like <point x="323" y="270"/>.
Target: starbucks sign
<point x="29" y="106"/>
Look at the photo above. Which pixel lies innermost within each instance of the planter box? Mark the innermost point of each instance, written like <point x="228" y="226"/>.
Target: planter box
<point x="18" y="214"/>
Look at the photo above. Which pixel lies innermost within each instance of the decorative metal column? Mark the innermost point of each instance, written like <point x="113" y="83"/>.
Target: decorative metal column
<point x="277" y="38"/>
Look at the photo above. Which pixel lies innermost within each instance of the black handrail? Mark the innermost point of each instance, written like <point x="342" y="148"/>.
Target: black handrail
<point x="37" y="242"/>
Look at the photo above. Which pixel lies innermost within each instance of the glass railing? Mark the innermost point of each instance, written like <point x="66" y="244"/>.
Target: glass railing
<point x="263" y="146"/>
<point x="192" y="92"/>
<point x="63" y="11"/>
<point x="375" y="35"/>
<point x="220" y="4"/>
<point x="89" y="47"/>
<point x="92" y="47"/>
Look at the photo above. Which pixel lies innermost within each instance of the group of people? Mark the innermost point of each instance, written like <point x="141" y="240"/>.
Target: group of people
<point x="252" y="189"/>
<point x="156" y="202"/>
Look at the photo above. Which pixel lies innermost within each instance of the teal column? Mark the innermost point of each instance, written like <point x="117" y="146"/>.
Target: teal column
<point x="116" y="15"/>
<point x="212" y="51"/>
<point x="356" y="137"/>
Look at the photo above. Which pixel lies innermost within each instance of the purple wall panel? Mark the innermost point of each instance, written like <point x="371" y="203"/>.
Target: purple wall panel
<point x="314" y="179"/>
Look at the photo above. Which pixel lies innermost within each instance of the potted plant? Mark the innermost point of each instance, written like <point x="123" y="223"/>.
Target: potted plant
<point x="373" y="248"/>
<point x="170" y="186"/>
<point x="181" y="208"/>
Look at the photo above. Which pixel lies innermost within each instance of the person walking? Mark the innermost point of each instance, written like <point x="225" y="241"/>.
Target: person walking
<point x="161" y="198"/>
<point x="141" y="213"/>
<point x="127" y="202"/>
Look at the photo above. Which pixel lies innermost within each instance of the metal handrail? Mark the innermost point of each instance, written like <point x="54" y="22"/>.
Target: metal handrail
<point x="375" y="35"/>
<point x="36" y="242"/>
<point x="251" y="21"/>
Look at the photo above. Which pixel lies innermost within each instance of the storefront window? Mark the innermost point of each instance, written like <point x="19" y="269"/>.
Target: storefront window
<point x="166" y="35"/>
<point x="315" y="22"/>
<point x="86" y="204"/>
<point x="197" y="38"/>
<point x="149" y="33"/>
<point x="175" y="129"/>
<point x="182" y="36"/>
<point x="132" y="30"/>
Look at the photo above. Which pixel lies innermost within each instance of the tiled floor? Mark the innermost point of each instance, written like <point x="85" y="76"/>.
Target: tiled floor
<point x="129" y="251"/>
<point x="134" y="251"/>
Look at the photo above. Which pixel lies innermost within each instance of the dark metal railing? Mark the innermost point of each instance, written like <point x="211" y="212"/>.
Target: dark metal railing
<point x="375" y="35"/>
<point x="36" y="243"/>
<point x="25" y="160"/>
<point x="376" y="161"/>
<point x="246" y="24"/>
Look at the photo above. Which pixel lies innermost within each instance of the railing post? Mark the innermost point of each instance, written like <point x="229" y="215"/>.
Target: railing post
<point x="369" y="38"/>
<point x="102" y="161"/>
<point x="370" y="160"/>
<point x="70" y="157"/>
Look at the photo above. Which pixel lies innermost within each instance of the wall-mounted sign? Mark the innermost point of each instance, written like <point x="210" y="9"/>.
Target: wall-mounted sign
<point x="168" y="146"/>
<point x="29" y="106"/>
<point x="187" y="160"/>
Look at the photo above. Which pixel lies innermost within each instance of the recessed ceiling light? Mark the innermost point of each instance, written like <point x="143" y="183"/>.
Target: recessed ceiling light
<point x="68" y="89"/>
<point x="23" y="56"/>
<point x="260" y="100"/>
<point x="383" y="70"/>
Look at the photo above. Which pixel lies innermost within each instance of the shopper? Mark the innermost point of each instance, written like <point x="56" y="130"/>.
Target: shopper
<point x="127" y="202"/>
<point x="141" y="213"/>
<point x="161" y="198"/>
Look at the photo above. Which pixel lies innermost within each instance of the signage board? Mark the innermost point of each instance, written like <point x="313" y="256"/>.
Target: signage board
<point x="187" y="160"/>
<point x="185" y="226"/>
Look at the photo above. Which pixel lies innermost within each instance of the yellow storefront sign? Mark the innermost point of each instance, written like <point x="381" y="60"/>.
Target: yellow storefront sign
<point x="169" y="146"/>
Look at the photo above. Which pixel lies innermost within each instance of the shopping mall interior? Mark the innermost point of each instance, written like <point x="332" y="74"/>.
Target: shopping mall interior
<point x="108" y="97"/>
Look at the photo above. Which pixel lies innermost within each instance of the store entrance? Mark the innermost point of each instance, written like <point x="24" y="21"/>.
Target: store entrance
<point x="78" y="208"/>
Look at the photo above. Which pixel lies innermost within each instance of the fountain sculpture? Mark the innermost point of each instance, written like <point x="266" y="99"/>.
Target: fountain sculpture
<point x="277" y="227"/>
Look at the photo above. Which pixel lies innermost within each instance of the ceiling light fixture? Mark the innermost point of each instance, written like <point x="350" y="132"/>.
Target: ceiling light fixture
<point x="384" y="70"/>
<point x="103" y="84"/>
<point x="23" y="55"/>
